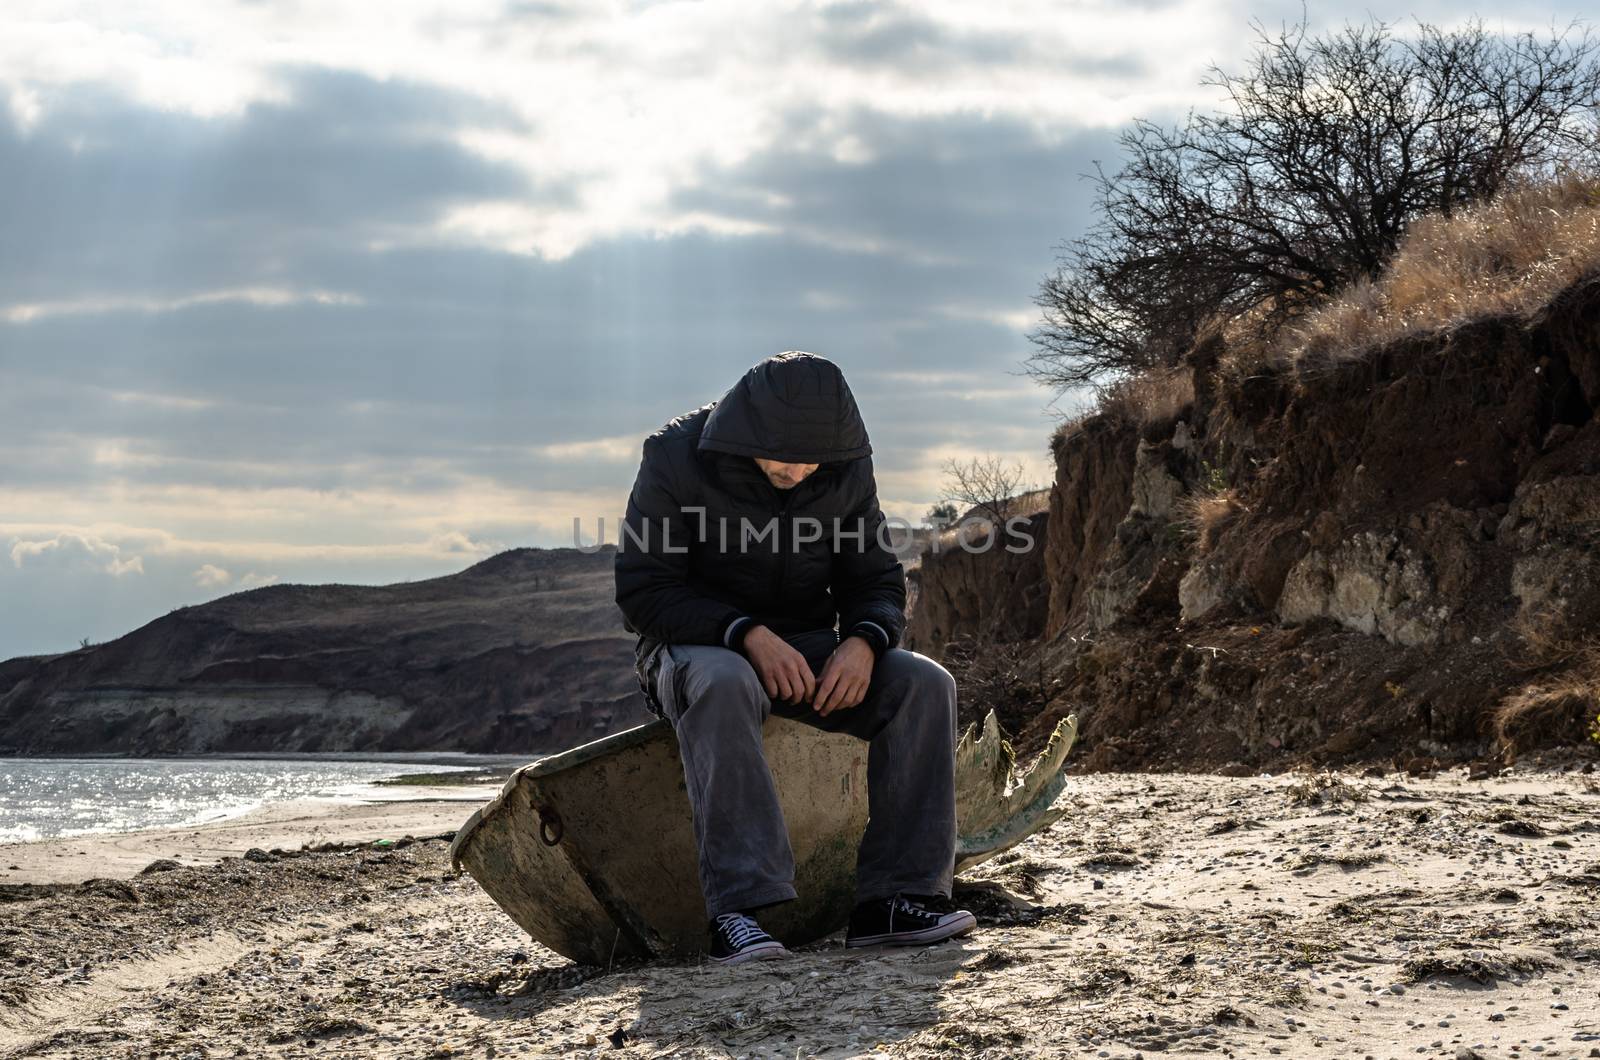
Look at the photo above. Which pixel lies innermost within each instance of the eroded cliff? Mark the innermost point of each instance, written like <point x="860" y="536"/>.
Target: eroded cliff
<point x="1396" y="555"/>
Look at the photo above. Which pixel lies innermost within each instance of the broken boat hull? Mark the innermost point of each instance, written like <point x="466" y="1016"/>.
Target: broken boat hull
<point x="592" y="851"/>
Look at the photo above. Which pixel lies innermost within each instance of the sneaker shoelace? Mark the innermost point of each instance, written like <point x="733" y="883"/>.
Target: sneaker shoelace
<point x="903" y="906"/>
<point x="739" y="930"/>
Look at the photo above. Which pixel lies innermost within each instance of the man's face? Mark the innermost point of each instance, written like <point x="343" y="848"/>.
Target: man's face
<point x="784" y="476"/>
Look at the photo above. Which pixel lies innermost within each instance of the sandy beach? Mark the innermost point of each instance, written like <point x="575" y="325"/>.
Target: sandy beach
<point x="1310" y="914"/>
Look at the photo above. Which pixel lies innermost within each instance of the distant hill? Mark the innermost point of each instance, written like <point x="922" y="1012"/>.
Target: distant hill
<point x="524" y="651"/>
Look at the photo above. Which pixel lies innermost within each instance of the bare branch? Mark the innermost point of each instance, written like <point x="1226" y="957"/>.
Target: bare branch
<point x="1327" y="148"/>
<point x="985" y="484"/>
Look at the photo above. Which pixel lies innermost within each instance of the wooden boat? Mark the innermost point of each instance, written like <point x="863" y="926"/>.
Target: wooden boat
<point x="592" y="851"/>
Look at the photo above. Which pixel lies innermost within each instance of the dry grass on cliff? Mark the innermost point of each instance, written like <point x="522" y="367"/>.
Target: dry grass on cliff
<point x="1511" y="255"/>
<point x="1560" y="703"/>
<point x="1206" y="514"/>
<point x="1159" y="396"/>
<point x="1544" y="642"/>
<point x="1561" y="712"/>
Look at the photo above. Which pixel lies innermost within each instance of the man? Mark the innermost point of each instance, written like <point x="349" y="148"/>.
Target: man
<point x="753" y="529"/>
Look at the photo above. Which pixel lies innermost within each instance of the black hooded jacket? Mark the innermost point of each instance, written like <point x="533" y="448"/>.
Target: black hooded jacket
<point x="709" y="547"/>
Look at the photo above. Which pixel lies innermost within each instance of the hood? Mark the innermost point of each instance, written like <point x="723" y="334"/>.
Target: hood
<point x="794" y="407"/>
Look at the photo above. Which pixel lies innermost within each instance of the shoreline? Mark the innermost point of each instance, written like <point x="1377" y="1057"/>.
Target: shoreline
<point x="287" y="825"/>
<point x="466" y="759"/>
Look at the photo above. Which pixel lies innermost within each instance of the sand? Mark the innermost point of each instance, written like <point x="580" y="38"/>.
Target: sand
<point x="1325" y="915"/>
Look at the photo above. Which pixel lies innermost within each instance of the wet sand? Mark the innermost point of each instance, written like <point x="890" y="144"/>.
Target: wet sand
<point x="1325" y="915"/>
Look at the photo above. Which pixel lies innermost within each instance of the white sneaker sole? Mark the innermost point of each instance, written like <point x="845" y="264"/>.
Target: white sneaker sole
<point x="957" y="925"/>
<point x="762" y="951"/>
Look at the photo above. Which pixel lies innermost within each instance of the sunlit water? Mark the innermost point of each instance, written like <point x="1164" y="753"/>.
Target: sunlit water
<point x="45" y="797"/>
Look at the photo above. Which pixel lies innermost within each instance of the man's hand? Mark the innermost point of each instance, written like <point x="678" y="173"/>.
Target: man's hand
<point x="845" y="676"/>
<point x="784" y="672"/>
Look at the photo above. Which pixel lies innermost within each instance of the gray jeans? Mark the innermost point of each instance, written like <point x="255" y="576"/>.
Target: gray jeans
<point x="908" y="716"/>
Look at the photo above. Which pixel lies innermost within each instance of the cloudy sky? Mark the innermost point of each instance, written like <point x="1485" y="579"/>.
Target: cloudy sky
<point x="363" y="292"/>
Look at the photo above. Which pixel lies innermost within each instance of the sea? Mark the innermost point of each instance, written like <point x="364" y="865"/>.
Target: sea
<point x="42" y="798"/>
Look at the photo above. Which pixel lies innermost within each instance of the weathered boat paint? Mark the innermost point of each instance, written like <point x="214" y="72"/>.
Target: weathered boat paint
<point x="592" y="851"/>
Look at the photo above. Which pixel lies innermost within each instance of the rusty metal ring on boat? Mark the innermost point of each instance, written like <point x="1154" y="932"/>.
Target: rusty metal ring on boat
<point x="549" y="826"/>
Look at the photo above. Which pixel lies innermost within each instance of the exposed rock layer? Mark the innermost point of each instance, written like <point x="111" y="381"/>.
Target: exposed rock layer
<point x="1362" y="560"/>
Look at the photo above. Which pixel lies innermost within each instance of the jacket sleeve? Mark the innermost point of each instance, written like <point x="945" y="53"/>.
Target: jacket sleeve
<point x="869" y="584"/>
<point x="652" y="563"/>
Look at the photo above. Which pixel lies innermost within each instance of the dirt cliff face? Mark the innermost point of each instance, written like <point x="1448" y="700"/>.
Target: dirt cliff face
<point x="1390" y="557"/>
<point x="992" y="586"/>
<point x="524" y="651"/>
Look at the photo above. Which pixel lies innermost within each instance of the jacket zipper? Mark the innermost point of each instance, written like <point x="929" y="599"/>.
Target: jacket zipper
<point x="783" y="557"/>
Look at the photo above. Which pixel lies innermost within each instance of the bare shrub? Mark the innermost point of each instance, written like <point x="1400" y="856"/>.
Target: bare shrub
<point x="1303" y="184"/>
<point x="987" y="485"/>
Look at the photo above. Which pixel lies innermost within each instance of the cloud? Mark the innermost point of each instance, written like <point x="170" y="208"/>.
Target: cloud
<point x="967" y="190"/>
<point x="209" y="576"/>
<point x="873" y="34"/>
<point x="547" y="518"/>
<point x="458" y="543"/>
<point x="620" y="448"/>
<point x="129" y="208"/>
<point x="23" y="313"/>
<point x="70" y="550"/>
<point x="606" y="112"/>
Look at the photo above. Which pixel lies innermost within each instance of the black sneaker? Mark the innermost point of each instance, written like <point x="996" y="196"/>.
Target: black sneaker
<point x="903" y="921"/>
<point x="736" y="938"/>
